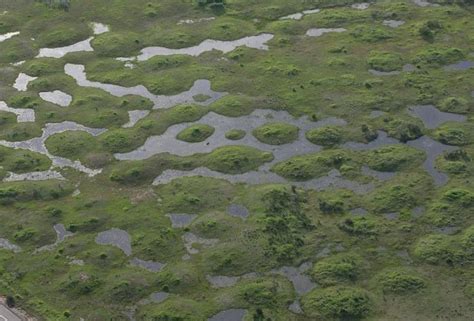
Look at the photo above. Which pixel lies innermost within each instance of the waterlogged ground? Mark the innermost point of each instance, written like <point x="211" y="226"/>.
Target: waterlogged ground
<point x="256" y="160"/>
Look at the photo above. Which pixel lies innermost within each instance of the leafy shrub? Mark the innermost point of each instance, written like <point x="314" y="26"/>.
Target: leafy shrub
<point x="342" y="303"/>
<point x="400" y="282"/>
<point x="335" y="269"/>
<point x="325" y="136"/>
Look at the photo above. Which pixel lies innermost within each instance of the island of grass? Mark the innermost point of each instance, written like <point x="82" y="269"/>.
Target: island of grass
<point x="276" y="133"/>
<point x="235" y="134"/>
<point x="196" y="133"/>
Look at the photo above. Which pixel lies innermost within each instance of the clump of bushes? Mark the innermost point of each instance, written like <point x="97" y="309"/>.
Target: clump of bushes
<point x="325" y="136"/>
<point x="276" y="133"/>
<point x="335" y="269"/>
<point x="235" y="134"/>
<point x="384" y="61"/>
<point x="394" y="158"/>
<point x="455" y="105"/>
<point x="337" y="303"/>
<point x="400" y="282"/>
<point x="196" y="133"/>
<point x="359" y="226"/>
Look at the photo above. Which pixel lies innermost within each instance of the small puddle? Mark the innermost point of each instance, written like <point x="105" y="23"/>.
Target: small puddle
<point x="360" y="6"/>
<point x="301" y="282"/>
<point x="432" y="117"/>
<point x="181" y="220"/>
<point x="23" y="115"/>
<point x="299" y="15"/>
<point x="432" y="149"/>
<point x="22" y="81"/>
<point x="221" y="281"/>
<point x="60" y="52"/>
<point x="34" y="176"/>
<point x="61" y="235"/>
<point x="462" y="65"/>
<point x="359" y="211"/>
<point x="147" y="265"/>
<point x="191" y="21"/>
<point x="229" y="315"/>
<point x="116" y="237"/>
<point x="56" y="97"/>
<point x="392" y="216"/>
<point x="424" y="3"/>
<point x="135" y="116"/>
<point x="201" y="87"/>
<point x="99" y="28"/>
<point x="37" y="144"/>
<point x="255" y="42"/>
<point x="238" y="210"/>
<point x="295" y="307"/>
<point x="418" y="211"/>
<point x="317" y="32"/>
<point x="393" y="23"/>
<point x="384" y="73"/>
<point x="6" y="245"/>
<point x="8" y="35"/>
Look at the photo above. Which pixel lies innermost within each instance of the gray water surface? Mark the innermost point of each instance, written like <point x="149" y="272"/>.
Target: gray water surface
<point x="229" y="315"/>
<point x="432" y="117"/>
<point x="256" y="42"/>
<point x="317" y="32"/>
<point x="116" y="237"/>
<point x="201" y="87"/>
<point x="23" y="115"/>
<point x="56" y="97"/>
<point x="84" y="45"/>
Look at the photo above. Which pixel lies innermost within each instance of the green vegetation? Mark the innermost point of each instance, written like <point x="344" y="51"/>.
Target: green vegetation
<point x="366" y="245"/>
<point x="235" y="134"/>
<point x="337" y="303"/>
<point x="325" y="136"/>
<point x="384" y="61"/>
<point x="336" y="269"/>
<point x="196" y="133"/>
<point x="276" y="133"/>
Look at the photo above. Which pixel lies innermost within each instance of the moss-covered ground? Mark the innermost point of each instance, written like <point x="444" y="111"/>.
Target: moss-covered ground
<point x="402" y="250"/>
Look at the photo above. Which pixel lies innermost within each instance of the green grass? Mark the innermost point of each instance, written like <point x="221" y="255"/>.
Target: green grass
<point x="196" y="133"/>
<point x="276" y="133"/>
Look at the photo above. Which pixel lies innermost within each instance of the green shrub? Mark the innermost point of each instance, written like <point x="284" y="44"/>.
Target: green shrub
<point x="384" y="61"/>
<point x="400" y="282"/>
<point x="235" y="134"/>
<point x="337" y="303"/>
<point x="332" y="270"/>
<point x="394" y="158"/>
<point x="276" y="133"/>
<point x="325" y="136"/>
<point x="195" y="133"/>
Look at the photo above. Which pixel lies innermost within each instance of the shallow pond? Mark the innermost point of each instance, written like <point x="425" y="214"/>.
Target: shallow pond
<point x="34" y="176"/>
<point x="135" y="116"/>
<point x="238" y="210"/>
<point x="60" y="52"/>
<point x="148" y="265"/>
<point x="56" y="97"/>
<point x="317" y="32"/>
<point x="229" y="315"/>
<point x="201" y="87"/>
<point x="432" y="149"/>
<point x="116" y="237"/>
<point x="181" y="220"/>
<point x="22" y="81"/>
<point x="6" y="245"/>
<point x="256" y="42"/>
<point x="37" y="144"/>
<point x="299" y="15"/>
<point x="462" y="65"/>
<point x="393" y="23"/>
<point x="8" y="35"/>
<point x="301" y="282"/>
<point x="61" y="235"/>
<point x="23" y="115"/>
<point x="432" y="117"/>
